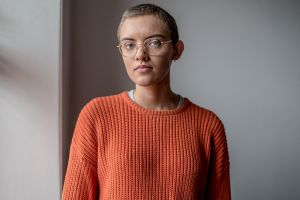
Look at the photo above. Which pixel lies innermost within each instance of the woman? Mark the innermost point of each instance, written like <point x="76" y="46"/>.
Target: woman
<point x="148" y="143"/>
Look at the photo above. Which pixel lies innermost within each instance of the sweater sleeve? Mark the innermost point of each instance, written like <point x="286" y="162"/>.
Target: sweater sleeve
<point x="218" y="182"/>
<point x="81" y="180"/>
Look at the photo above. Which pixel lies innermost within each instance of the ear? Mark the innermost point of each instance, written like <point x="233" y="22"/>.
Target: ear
<point x="178" y="50"/>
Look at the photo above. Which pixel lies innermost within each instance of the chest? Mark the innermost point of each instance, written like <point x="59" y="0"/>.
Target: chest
<point x="155" y="148"/>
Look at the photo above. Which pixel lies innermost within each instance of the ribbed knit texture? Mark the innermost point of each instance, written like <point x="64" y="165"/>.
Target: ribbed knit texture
<point x="121" y="150"/>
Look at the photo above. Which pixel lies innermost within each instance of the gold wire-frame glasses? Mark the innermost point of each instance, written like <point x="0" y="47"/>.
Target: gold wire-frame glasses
<point x="152" y="46"/>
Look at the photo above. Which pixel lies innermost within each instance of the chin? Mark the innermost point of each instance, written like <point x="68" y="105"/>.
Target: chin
<point x="142" y="81"/>
<point x="147" y="81"/>
<point x="143" y="84"/>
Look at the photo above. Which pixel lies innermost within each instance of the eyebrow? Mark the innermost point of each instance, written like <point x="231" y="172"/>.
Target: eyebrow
<point x="150" y="36"/>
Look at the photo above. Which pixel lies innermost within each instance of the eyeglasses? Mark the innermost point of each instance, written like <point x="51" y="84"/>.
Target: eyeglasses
<point x="153" y="46"/>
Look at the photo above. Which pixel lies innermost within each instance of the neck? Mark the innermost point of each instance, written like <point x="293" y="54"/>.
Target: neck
<point x="156" y="98"/>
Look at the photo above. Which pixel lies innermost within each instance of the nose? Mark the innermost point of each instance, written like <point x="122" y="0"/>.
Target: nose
<point x="141" y="53"/>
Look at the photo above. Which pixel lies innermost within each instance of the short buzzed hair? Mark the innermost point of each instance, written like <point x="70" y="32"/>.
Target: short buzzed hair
<point x="151" y="9"/>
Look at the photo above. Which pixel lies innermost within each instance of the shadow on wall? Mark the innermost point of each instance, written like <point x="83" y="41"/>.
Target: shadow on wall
<point x="18" y="82"/>
<point x="5" y="70"/>
<point x="20" y="76"/>
<point x="9" y="70"/>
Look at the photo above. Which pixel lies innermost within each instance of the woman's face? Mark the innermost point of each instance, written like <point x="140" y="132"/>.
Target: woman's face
<point x="144" y="69"/>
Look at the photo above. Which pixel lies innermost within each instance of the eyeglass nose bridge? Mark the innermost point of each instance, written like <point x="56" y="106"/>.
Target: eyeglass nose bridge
<point x="140" y="45"/>
<point x="143" y="45"/>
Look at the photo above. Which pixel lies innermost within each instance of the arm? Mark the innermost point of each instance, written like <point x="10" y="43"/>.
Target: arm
<point x="81" y="180"/>
<point x="218" y="182"/>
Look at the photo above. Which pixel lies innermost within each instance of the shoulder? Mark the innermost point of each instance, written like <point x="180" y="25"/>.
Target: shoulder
<point x="105" y="102"/>
<point x="206" y="116"/>
<point x="98" y="108"/>
<point x="204" y="111"/>
<point x="95" y="112"/>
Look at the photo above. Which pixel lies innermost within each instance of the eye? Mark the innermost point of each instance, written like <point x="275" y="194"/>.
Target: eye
<point x="128" y="45"/>
<point x="154" y="43"/>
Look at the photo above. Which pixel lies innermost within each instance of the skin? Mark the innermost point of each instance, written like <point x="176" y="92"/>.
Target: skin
<point x="153" y="88"/>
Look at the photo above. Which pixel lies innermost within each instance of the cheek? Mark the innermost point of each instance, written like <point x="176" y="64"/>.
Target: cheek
<point x="128" y="66"/>
<point x="165" y="61"/>
<point x="126" y="63"/>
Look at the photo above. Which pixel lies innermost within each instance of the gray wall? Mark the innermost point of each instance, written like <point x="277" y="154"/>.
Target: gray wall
<point x="30" y="100"/>
<point x="241" y="60"/>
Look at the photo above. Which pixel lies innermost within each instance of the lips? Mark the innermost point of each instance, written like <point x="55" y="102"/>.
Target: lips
<point x="143" y="68"/>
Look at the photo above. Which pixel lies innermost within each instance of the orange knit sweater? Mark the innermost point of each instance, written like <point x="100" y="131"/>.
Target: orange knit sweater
<point x="121" y="150"/>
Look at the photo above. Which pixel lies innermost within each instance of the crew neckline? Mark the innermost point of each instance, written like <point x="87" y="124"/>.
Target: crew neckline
<point x="141" y="109"/>
<point x="131" y="96"/>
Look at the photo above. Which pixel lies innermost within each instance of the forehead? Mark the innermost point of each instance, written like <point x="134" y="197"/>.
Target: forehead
<point x="141" y="27"/>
